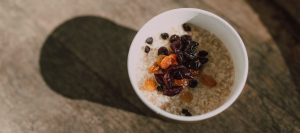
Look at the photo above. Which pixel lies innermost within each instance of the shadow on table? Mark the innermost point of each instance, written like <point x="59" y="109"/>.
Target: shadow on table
<point x="284" y="29"/>
<point x="86" y="58"/>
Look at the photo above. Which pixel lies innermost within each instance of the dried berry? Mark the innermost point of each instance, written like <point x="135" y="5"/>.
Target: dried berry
<point x="147" y="49"/>
<point x="194" y="64"/>
<point x="186" y="112"/>
<point x="164" y="36"/>
<point x="186" y="96"/>
<point x="180" y="58"/>
<point x="176" y="46"/>
<point x="202" y="53"/>
<point x="149" y="40"/>
<point x="186" y="27"/>
<point x="193" y="83"/>
<point x="174" y="38"/>
<point x="163" y="51"/>
<point x="208" y="80"/>
<point x="159" y="78"/>
<point x="168" y="80"/>
<point x="159" y="88"/>
<point x="172" y="91"/>
<point x="203" y="60"/>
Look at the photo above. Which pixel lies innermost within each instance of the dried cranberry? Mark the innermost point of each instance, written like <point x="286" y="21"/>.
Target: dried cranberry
<point x="186" y="112"/>
<point x="147" y="49"/>
<point x="174" y="38"/>
<point x="149" y="40"/>
<point x="172" y="91"/>
<point x="193" y="83"/>
<point x="163" y="51"/>
<point x="202" y="53"/>
<point x="186" y="27"/>
<point x="164" y="36"/>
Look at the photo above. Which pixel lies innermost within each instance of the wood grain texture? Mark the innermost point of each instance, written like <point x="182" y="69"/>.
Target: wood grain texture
<point x="63" y="67"/>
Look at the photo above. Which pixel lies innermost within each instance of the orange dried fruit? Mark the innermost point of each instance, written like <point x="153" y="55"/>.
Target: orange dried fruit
<point x="181" y="82"/>
<point x="186" y="96"/>
<point x="150" y="84"/>
<point x="208" y="80"/>
<point x="168" y="61"/>
<point x="159" y="58"/>
<point x="154" y="68"/>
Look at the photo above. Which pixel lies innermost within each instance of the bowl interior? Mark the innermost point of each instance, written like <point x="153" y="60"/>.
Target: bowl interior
<point x="164" y="22"/>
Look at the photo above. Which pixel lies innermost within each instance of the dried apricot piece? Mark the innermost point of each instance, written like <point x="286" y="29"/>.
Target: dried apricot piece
<point x="154" y="68"/>
<point x="168" y="61"/>
<point x="150" y="84"/>
<point x="159" y="58"/>
<point x="208" y="80"/>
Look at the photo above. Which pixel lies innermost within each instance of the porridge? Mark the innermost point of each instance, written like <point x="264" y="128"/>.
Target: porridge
<point x="187" y="71"/>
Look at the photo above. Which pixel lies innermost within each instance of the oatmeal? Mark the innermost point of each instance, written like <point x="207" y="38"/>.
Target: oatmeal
<point x="188" y="71"/>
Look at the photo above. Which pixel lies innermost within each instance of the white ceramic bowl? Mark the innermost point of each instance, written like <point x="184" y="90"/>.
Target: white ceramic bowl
<point x="204" y="19"/>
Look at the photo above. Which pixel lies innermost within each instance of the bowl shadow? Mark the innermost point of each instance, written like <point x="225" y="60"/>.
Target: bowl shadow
<point x="85" y="58"/>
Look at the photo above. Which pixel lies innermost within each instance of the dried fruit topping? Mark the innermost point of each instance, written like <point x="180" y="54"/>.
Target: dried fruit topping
<point x="174" y="38"/>
<point x="203" y="60"/>
<point x="208" y="80"/>
<point x="159" y="88"/>
<point x="193" y="83"/>
<point x="186" y="96"/>
<point x="159" y="58"/>
<point x="186" y="27"/>
<point x="164" y="36"/>
<point x="172" y="91"/>
<point x="202" y="53"/>
<point x="186" y="112"/>
<point x="149" y="40"/>
<point x="159" y="78"/>
<point x="150" y="85"/>
<point x="147" y="49"/>
<point x="154" y="68"/>
<point x="168" y="61"/>
<point x="163" y="51"/>
<point x="181" y="82"/>
<point x="176" y="46"/>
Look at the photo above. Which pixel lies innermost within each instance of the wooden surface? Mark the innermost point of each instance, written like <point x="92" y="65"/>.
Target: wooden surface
<point x="63" y="66"/>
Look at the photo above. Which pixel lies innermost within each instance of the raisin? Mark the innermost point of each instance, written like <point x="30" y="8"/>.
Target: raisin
<point x="202" y="53"/>
<point x="203" y="60"/>
<point x="149" y="40"/>
<point x="174" y="38"/>
<point x="164" y="36"/>
<point x="186" y="112"/>
<point x="193" y="83"/>
<point x="186" y="27"/>
<point x="163" y="51"/>
<point x="172" y="91"/>
<point x="147" y="49"/>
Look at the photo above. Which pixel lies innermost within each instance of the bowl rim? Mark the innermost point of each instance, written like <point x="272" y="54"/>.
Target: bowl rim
<point x="214" y="112"/>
